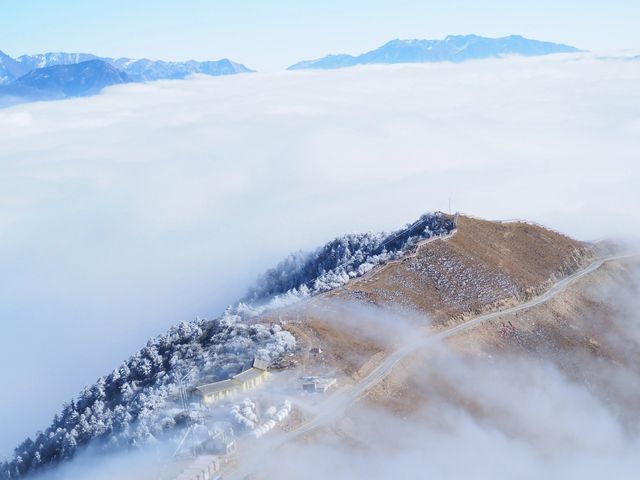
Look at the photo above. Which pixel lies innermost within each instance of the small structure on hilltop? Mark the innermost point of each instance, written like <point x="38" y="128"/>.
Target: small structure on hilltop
<point x="314" y="384"/>
<point x="243" y="381"/>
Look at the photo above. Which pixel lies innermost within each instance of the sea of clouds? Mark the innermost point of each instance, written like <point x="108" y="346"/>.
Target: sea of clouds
<point x="124" y="213"/>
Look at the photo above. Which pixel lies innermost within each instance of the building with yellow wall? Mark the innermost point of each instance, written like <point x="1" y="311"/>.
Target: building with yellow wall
<point x="242" y="382"/>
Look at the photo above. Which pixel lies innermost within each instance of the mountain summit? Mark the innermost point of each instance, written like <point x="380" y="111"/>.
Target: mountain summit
<point x="454" y="48"/>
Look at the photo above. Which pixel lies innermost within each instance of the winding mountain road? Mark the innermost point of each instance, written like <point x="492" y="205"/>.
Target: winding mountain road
<point x="337" y="403"/>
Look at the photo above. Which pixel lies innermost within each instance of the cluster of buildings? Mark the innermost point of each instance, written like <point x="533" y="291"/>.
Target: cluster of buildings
<point x="211" y="447"/>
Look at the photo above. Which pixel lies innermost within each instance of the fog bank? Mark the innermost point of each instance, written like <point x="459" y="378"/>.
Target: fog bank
<point x="124" y="213"/>
<point x="507" y="412"/>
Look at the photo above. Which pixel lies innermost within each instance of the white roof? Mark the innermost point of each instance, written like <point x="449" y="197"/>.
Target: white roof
<point x="248" y="375"/>
<point x="216" y="387"/>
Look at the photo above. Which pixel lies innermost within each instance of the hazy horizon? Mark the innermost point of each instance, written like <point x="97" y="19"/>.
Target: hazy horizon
<point x="288" y="33"/>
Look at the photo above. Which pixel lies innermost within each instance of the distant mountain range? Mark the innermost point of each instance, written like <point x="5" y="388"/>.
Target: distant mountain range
<point x="454" y="48"/>
<point x="61" y="81"/>
<point x="137" y="70"/>
<point x="58" y="75"/>
<point x="10" y="69"/>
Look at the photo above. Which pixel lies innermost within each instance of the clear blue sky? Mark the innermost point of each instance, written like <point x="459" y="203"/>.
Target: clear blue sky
<point x="270" y="34"/>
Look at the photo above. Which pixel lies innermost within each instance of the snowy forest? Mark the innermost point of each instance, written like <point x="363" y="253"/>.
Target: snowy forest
<point x="131" y="406"/>
<point x="334" y="264"/>
<point x="128" y="407"/>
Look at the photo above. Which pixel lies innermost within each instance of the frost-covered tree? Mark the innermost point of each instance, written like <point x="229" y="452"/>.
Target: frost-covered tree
<point x="127" y="408"/>
<point x="335" y="263"/>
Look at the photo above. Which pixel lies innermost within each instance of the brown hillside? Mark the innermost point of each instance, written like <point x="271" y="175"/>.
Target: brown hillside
<point x="579" y="347"/>
<point x="485" y="264"/>
<point x="588" y="332"/>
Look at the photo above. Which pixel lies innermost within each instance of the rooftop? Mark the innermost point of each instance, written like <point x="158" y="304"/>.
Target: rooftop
<point x="248" y="375"/>
<point x="216" y="387"/>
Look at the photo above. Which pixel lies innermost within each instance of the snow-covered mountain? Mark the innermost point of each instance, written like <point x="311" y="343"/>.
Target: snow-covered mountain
<point x="137" y="69"/>
<point x="10" y="69"/>
<point x="73" y="80"/>
<point x="146" y="70"/>
<point x="43" y="60"/>
<point x="61" y="81"/>
<point x="28" y="77"/>
<point x="454" y="48"/>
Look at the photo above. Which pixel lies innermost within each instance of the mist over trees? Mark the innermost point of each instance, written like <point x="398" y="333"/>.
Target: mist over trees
<point x="129" y="407"/>
<point x="135" y="404"/>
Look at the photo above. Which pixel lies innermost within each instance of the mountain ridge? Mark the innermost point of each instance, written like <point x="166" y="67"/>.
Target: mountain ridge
<point x="453" y="48"/>
<point x="17" y="76"/>
<point x="142" y="69"/>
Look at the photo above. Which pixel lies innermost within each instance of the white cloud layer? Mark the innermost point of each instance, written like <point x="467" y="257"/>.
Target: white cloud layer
<point x="123" y="213"/>
<point x="540" y="425"/>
